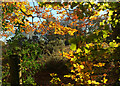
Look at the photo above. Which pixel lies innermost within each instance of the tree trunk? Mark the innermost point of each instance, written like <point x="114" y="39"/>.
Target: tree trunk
<point x="116" y="29"/>
<point x="116" y="32"/>
<point x="14" y="70"/>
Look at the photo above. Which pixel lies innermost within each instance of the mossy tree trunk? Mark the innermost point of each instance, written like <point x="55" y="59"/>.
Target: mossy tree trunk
<point x="14" y="70"/>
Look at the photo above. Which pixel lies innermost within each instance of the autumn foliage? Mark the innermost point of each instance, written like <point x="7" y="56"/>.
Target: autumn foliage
<point x="94" y="39"/>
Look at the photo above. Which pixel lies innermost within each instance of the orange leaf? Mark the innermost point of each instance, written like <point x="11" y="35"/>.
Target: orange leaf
<point x="47" y="10"/>
<point x="13" y="31"/>
<point x="5" y="35"/>
<point x="104" y="74"/>
<point x="33" y="10"/>
<point x="60" y="54"/>
<point x="22" y="30"/>
<point x="38" y="31"/>
<point x="33" y="29"/>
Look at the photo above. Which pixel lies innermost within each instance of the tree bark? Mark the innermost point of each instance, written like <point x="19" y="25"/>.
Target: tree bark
<point x="116" y="29"/>
<point x="116" y="32"/>
<point x="14" y="70"/>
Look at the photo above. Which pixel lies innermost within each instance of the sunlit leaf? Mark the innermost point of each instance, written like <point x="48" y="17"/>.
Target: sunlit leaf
<point x="73" y="46"/>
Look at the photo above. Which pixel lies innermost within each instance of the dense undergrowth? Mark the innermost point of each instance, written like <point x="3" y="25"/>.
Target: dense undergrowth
<point x="92" y="63"/>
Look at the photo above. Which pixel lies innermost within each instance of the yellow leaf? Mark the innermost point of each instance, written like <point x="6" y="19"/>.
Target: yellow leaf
<point x="73" y="71"/>
<point x="94" y="82"/>
<point x="74" y="65"/>
<point x="111" y="12"/>
<point x="76" y="79"/>
<point x="105" y="80"/>
<point x="106" y="4"/>
<point x="109" y="18"/>
<point x="74" y="59"/>
<point x="87" y="45"/>
<point x="92" y="2"/>
<point x="116" y="21"/>
<point x="66" y="75"/>
<point x="92" y="17"/>
<point x="89" y="6"/>
<point x="98" y="4"/>
<point x="24" y="10"/>
<point x="113" y="40"/>
<point x="75" y="1"/>
<point x="78" y="50"/>
<point x="82" y="66"/>
<point x="6" y="3"/>
<point x="87" y="51"/>
<point x="49" y="6"/>
<point x="89" y="81"/>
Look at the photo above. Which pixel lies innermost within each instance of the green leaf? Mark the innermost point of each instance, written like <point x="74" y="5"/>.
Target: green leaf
<point x="95" y="40"/>
<point x="86" y="50"/>
<point x="74" y="59"/>
<point x="78" y="50"/>
<point x="40" y="56"/>
<point x="113" y="44"/>
<point x="35" y="52"/>
<point x="105" y="32"/>
<point x="73" y="46"/>
<point x="17" y="48"/>
<point x="19" y="54"/>
<point x="118" y="37"/>
<point x="101" y="23"/>
<point x="104" y="35"/>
